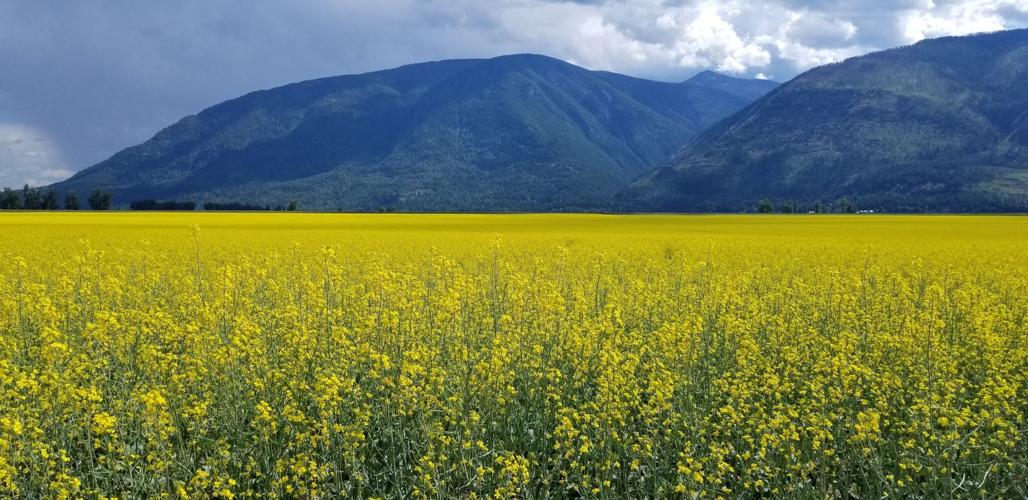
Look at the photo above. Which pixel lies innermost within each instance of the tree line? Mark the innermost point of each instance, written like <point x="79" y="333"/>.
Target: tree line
<point x="841" y="206"/>
<point x="36" y="198"/>
<point x="245" y="207"/>
<point x="172" y="206"/>
<point x="189" y="206"/>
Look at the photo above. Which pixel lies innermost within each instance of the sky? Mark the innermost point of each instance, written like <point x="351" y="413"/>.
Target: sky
<point x="83" y="79"/>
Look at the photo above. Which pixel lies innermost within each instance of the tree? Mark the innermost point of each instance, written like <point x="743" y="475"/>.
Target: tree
<point x="10" y="200"/>
<point x="234" y="207"/>
<point x="819" y="208"/>
<point x="292" y="206"/>
<point x="163" y="205"/>
<point x="32" y="199"/>
<point x="846" y="206"/>
<point x="100" y="200"/>
<point x="787" y="207"/>
<point x="765" y="206"/>
<point x="71" y="201"/>
<point x="50" y="200"/>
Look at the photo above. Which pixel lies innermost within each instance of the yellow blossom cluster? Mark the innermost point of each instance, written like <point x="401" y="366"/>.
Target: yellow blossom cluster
<point x="399" y="356"/>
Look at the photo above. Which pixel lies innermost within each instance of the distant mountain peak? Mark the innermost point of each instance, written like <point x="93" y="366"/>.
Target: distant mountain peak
<point x="710" y="76"/>
<point x="528" y="62"/>
<point x="528" y="57"/>
<point x="742" y="87"/>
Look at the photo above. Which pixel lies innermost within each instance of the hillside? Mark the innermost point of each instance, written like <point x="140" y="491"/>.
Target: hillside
<point x="522" y="132"/>
<point x="941" y="125"/>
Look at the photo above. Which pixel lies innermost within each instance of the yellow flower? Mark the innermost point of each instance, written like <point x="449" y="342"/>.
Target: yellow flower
<point x="104" y="424"/>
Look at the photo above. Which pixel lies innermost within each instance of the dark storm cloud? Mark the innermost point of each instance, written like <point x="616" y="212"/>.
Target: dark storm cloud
<point x="83" y="79"/>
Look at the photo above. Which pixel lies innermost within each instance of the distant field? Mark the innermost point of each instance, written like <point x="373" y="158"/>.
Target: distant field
<point x="307" y="355"/>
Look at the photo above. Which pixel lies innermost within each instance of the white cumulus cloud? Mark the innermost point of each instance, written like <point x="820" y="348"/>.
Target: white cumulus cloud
<point x="28" y="156"/>
<point x="958" y="18"/>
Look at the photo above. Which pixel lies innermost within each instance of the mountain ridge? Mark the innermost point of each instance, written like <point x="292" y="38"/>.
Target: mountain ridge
<point x="516" y="132"/>
<point x="938" y="125"/>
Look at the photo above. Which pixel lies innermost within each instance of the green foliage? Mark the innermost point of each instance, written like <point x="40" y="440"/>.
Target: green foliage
<point x="100" y="200"/>
<point x="844" y="205"/>
<point x="31" y="198"/>
<point x="50" y="200"/>
<point x="186" y="206"/>
<point x="71" y="201"/>
<point x="234" y="207"/>
<point x="9" y="200"/>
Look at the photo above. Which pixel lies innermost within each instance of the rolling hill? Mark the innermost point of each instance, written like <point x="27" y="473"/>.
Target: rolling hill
<point x="941" y="125"/>
<point x="512" y="133"/>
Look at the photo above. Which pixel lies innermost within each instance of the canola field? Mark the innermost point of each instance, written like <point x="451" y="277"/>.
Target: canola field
<point x="287" y="355"/>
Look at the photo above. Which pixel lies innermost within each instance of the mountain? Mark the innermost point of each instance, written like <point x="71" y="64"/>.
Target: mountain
<point x="941" y="125"/>
<point x="512" y="133"/>
<point x="744" y="88"/>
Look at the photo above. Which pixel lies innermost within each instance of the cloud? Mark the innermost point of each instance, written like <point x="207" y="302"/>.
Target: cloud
<point x="711" y="41"/>
<point x="960" y="18"/>
<point x="817" y="30"/>
<point x="92" y="77"/>
<point x="28" y="156"/>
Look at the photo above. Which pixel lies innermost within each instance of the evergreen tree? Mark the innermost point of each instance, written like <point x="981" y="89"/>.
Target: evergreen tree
<point x="765" y="206"/>
<point x="71" y="201"/>
<point x="50" y="200"/>
<point x="100" y="200"/>
<point x="32" y="199"/>
<point x="10" y="200"/>
<point x="846" y="206"/>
